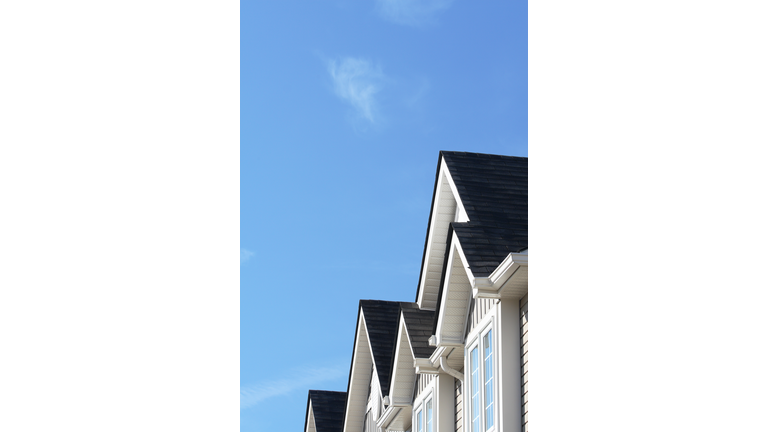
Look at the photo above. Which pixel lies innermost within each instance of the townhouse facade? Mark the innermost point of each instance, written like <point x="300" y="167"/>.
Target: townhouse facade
<point x="456" y="358"/>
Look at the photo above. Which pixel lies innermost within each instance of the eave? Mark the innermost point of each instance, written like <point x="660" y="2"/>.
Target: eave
<point x="510" y="279"/>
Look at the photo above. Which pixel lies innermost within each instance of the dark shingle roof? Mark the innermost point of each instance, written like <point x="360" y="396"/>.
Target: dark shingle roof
<point x="419" y="323"/>
<point x="381" y="318"/>
<point x="494" y="191"/>
<point x="328" y="409"/>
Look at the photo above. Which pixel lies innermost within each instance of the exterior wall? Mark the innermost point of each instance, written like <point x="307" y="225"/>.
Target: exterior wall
<point x="524" y="359"/>
<point x="458" y="399"/>
<point x="441" y="389"/>
<point x="446" y="407"/>
<point x="479" y="308"/>
<point x="422" y="382"/>
<point x="374" y="405"/>
<point x="508" y="319"/>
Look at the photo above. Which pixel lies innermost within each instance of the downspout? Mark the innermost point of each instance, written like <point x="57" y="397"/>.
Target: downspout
<point x="449" y="370"/>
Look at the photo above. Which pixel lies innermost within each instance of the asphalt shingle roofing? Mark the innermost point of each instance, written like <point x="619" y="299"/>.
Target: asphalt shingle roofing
<point x="381" y="318"/>
<point x="419" y="323"/>
<point x="328" y="410"/>
<point x="494" y="191"/>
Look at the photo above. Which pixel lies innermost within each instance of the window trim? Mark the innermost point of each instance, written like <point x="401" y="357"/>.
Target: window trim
<point x="476" y="342"/>
<point x="420" y="410"/>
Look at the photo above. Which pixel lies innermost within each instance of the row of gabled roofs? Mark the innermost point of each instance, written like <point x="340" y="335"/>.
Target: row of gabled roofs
<point x="494" y="194"/>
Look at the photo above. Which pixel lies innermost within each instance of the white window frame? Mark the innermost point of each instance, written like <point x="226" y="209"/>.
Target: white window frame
<point x="419" y="426"/>
<point x="477" y="342"/>
<point x="420" y="410"/>
<point x="429" y="417"/>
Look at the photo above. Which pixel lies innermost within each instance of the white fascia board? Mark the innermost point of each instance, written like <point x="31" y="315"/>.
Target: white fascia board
<point x="353" y="376"/>
<point x="434" y="211"/>
<point x="404" y="329"/>
<point x="402" y="333"/>
<point x="387" y="416"/>
<point x="445" y="288"/>
<point x="490" y="287"/>
<point x="424" y="366"/>
<point x="435" y="357"/>
<point x="447" y="173"/>
<point x="441" y="340"/>
<point x="438" y="201"/>
<point x="370" y="351"/>
<point x="457" y="244"/>
<point x="310" y="419"/>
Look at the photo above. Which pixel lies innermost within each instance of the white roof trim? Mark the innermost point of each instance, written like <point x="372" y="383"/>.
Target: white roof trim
<point x="393" y="388"/>
<point x="456" y="196"/>
<point x="310" y="418"/>
<point x="387" y="416"/>
<point x="491" y="286"/>
<point x="356" y="423"/>
<point x="441" y="199"/>
<point x="441" y="339"/>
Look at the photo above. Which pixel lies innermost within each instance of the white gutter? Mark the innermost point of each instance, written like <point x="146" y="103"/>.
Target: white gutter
<point x="490" y="287"/>
<point x="388" y="416"/>
<point x="439" y="360"/>
<point x="451" y="371"/>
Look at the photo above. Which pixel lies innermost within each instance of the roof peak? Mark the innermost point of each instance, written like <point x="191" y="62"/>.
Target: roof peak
<point x="451" y="152"/>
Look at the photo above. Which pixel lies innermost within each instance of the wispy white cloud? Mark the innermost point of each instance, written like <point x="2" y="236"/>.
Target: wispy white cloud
<point x="415" y="13"/>
<point x="254" y="394"/>
<point x="357" y="81"/>
<point x="245" y="255"/>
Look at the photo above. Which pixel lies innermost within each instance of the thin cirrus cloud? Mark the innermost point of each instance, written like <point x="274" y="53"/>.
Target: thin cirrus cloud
<point x="255" y="394"/>
<point x="414" y="13"/>
<point x="357" y="81"/>
<point x="245" y="255"/>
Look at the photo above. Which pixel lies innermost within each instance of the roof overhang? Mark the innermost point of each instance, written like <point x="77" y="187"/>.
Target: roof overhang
<point x="403" y="374"/>
<point x="508" y="280"/>
<point x="397" y="415"/>
<point x="455" y="298"/>
<point x="446" y="208"/>
<point x="359" y="377"/>
<point x="309" y="421"/>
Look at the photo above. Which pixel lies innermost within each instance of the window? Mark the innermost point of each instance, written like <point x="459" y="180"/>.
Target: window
<point x="429" y="415"/>
<point x="488" y="371"/>
<point x="481" y="384"/>
<point x="419" y="426"/>
<point x="424" y="420"/>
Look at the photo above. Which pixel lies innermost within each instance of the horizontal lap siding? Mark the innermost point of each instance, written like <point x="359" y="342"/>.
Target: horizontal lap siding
<point x="524" y="358"/>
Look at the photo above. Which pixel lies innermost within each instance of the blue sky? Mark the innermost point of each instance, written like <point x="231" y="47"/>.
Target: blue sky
<point x="344" y="107"/>
<point x="119" y="153"/>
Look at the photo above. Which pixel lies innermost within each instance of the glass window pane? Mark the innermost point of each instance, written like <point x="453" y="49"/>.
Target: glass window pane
<point x="488" y="372"/>
<point x="418" y="422"/>
<point x="429" y="415"/>
<point x="474" y="366"/>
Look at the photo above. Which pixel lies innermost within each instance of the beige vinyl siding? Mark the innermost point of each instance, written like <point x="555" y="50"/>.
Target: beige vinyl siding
<point x="459" y="399"/>
<point x="369" y="423"/>
<point x="524" y="359"/>
<point x="422" y="381"/>
<point x="478" y="309"/>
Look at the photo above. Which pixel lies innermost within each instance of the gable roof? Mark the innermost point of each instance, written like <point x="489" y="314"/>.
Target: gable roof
<point x="327" y="409"/>
<point x="381" y="325"/>
<point x="419" y="323"/>
<point x="494" y="193"/>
